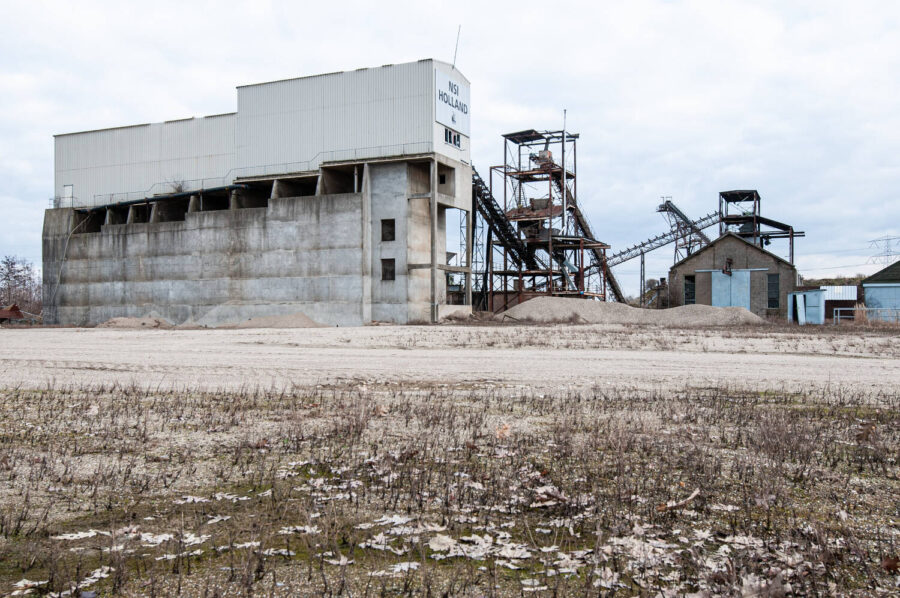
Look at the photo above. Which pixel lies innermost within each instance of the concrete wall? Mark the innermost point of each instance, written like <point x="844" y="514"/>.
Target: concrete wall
<point x="301" y="254"/>
<point x="320" y="255"/>
<point x="744" y="256"/>
<point x="389" y="201"/>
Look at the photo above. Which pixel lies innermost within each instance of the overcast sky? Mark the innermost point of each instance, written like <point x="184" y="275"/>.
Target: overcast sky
<point x="672" y="98"/>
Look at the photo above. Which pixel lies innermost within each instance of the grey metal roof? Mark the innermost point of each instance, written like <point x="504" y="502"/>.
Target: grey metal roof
<point x="889" y="274"/>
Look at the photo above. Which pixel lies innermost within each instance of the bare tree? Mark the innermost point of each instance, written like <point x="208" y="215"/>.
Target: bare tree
<point x="20" y="284"/>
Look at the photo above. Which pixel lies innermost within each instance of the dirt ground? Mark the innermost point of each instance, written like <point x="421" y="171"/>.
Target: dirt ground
<point x="457" y="460"/>
<point x="530" y="356"/>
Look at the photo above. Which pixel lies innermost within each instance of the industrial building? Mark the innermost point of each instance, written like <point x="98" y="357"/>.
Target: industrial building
<point x="332" y="196"/>
<point x="328" y="195"/>
<point x="732" y="271"/>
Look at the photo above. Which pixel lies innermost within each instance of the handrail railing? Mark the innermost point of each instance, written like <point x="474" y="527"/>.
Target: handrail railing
<point x="162" y="188"/>
<point x="881" y="314"/>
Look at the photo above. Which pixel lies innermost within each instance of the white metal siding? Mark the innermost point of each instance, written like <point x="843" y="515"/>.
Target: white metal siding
<point x="295" y="125"/>
<point x="840" y="293"/>
<point x="280" y="127"/>
<point x="133" y="162"/>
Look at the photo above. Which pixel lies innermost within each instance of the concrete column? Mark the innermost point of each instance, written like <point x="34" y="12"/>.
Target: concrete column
<point x="234" y="200"/>
<point x="154" y="212"/>
<point x="367" y="252"/>
<point x="469" y="233"/>
<point x="194" y="204"/>
<point x="434" y="241"/>
<point x="276" y="189"/>
<point x="130" y="219"/>
<point x="110" y="217"/>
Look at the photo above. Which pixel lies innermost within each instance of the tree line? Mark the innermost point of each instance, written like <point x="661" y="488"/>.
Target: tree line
<point x="20" y="283"/>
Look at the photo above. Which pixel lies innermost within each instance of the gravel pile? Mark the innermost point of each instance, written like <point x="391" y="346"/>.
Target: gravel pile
<point x="581" y="311"/>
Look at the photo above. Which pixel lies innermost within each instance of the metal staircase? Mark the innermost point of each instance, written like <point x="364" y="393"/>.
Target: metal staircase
<point x="498" y="223"/>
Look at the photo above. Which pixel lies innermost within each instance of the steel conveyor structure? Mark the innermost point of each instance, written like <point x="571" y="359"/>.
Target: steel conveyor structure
<point x="536" y="239"/>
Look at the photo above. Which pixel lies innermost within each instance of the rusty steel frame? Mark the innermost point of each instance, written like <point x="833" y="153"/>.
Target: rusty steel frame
<point x="539" y="198"/>
<point x="748" y="221"/>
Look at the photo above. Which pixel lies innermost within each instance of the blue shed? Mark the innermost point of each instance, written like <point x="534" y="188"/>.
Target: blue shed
<point x="882" y="294"/>
<point x="807" y="307"/>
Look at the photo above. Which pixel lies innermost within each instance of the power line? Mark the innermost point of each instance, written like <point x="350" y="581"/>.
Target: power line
<point x="885" y="247"/>
<point x="836" y="267"/>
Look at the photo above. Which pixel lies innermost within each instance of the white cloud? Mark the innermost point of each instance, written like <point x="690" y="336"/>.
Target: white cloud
<point x="681" y="98"/>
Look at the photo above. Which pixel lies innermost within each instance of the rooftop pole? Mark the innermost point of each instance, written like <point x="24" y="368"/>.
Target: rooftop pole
<point x="564" y="194"/>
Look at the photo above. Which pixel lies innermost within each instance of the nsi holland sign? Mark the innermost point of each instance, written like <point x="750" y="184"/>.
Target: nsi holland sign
<point x="451" y="103"/>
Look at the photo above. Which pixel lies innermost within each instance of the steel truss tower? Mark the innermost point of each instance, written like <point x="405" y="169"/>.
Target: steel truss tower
<point x="548" y="247"/>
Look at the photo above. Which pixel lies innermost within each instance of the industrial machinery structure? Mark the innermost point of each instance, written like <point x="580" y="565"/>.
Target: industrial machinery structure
<point x="740" y="213"/>
<point x="330" y="195"/>
<point x="537" y="240"/>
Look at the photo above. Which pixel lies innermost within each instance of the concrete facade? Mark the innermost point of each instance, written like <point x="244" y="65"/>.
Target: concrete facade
<point x="284" y="238"/>
<point x="743" y="258"/>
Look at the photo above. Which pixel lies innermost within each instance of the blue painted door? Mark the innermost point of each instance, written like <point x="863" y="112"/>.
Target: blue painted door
<point x="721" y="289"/>
<point x="731" y="290"/>
<point x="740" y="289"/>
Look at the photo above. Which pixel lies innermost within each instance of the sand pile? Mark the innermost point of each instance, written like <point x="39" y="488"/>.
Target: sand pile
<point x="147" y="322"/>
<point x="581" y="311"/>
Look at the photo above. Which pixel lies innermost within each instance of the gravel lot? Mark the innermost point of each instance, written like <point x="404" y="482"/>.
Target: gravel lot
<point x="460" y="460"/>
<point x="532" y="356"/>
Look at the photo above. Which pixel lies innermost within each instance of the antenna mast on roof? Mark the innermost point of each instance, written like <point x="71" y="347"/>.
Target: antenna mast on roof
<point x="456" y="47"/>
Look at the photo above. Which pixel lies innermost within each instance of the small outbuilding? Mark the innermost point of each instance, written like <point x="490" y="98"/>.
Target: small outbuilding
<point x="10" y="313"/>
<point x="732" y="271"/>
<point x="882" y="294"/>
<point x="807" y="306"/>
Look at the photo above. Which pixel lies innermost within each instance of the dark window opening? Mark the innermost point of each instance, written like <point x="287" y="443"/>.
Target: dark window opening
<point x="212" y="203"/>
<point x="88" y="221"/>
<point x="172" y="210"/>
<point x="774" y="291"/>
<point x="387" y="270"/>
<point x="388" y="230"/>
<point x="452" y="138"/>
<point x="446" y="179"/>
<point x="690" y="289"/>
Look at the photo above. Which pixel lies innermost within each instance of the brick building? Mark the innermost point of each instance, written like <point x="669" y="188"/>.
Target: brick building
<point x="731" y="271"/>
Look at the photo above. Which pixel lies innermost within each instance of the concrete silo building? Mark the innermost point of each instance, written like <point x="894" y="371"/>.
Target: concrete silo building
<point x="327" y="195"/>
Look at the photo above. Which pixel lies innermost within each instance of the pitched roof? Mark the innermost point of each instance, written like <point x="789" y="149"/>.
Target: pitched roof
<point x="889" y="274"/>
<point x="11" y="312"/>
<point x="742" y="240"/>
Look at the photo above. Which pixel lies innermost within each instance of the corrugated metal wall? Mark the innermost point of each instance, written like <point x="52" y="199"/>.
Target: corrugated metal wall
<point x="840" y="293"/>
<point x="113" y="165"/>
<point x="280" y="127"/>
<point x="294" y="125"/>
